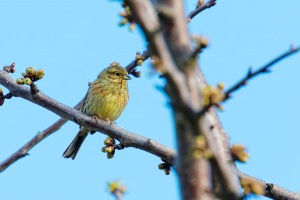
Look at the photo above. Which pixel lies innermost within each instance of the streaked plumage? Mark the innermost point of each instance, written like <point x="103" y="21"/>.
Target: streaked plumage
<point x="106" y="99"/>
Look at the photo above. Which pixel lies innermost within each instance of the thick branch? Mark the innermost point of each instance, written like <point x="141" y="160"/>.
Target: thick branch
<point x="184" y="90"/>
<point x="126" y="138"/>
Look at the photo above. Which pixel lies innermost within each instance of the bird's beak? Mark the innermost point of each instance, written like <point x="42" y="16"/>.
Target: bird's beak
<point x="126" y="77"/>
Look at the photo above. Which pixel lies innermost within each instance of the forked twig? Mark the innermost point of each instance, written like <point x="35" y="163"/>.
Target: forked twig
<point x="261" y="70"/>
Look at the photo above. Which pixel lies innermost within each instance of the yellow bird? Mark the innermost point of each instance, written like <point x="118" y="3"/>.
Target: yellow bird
<point x="106" y="99"/>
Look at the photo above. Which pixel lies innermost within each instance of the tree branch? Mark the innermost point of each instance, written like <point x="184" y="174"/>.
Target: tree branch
<point x="264" y="69"/>
<point x="23" y="151"/>
<point x="183" y="87"/>
<point x="131" y="66"/>
<point x="199" y="9"/>
<point x="272" y="191"/>
<point x="250" y="75"/>
<point x="126" y="138"/>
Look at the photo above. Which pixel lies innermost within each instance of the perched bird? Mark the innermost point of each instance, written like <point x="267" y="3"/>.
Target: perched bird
<point x="106" y="99"/>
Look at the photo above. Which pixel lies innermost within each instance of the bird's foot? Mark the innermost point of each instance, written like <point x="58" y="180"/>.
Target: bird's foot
<point x="110" y="122"/>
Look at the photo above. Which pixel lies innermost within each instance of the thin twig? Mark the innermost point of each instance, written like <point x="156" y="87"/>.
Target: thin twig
<point x="250" y="75"/>
<point x="23" y="151"/>
<point x="131" y="66"/>
<point x="261" y="70"/>
<point x="272" y="191"/>
<point x="205" y="6"/>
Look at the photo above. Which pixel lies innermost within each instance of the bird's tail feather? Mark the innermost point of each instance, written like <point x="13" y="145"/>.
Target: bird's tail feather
<point x="75" y="145"/>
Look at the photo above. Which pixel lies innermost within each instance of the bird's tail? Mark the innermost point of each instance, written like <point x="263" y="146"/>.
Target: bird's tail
<point x="75" y="145"/>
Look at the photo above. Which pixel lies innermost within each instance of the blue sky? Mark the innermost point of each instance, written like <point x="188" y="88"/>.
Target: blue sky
<point x="74" y="40"/>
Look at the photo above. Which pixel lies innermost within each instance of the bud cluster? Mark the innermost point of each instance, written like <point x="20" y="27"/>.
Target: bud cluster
<point x="127" y="17"/>
<point x="239" y="153"/>
<point x="31" y="75"/>
<point x="165" y="166"/>
<point x="109" y="147"/>
<point x="213" y="96"/>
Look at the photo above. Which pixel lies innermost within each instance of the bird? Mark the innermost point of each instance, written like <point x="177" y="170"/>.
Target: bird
<point x="106" y="99"/>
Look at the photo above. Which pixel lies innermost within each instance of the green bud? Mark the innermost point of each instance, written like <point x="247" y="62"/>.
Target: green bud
<point x="109" y="141"/>
<point x="140" y="62"/>
<point x="161" y="166"/>
<point x="20" y="81"/>
<point x="110" y="155"/>
<point x="123" y="22"/>
<point x="109" y="149"/>
<point x="30" y="71"/>
<point x="103" y="149"/>
<point x="27" y="81"/>
<point x="204" y="42"/>
<point x="40" y="73"/>
<point x="167" y="171"/>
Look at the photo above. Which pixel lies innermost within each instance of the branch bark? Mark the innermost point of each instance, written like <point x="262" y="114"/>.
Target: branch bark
<point x="272" y="191"/>
<point x="23" y="151"/>
<point x="126" y="138"/>
<point x="184" y="83"/>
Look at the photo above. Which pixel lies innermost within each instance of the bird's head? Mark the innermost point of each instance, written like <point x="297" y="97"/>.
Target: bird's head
<point x="115" y="73"/>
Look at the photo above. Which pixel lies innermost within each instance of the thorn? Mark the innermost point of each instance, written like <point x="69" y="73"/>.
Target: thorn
<point x="266" y="70"/>
<point x="249" y="74"/>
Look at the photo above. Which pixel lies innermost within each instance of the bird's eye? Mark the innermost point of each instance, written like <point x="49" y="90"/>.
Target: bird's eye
<point x="117" y="74"/>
